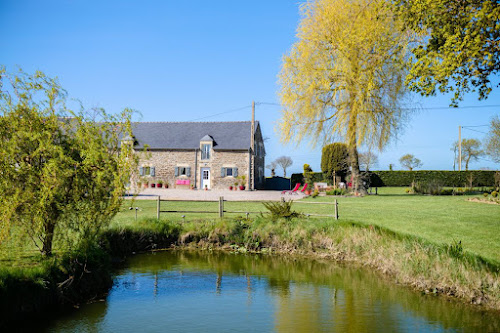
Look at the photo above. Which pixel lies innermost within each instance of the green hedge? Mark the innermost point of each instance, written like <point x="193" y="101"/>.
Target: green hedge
<point x="445" y="178"/>
<point x="405" y="178"/>
<point x="317" y="177"/>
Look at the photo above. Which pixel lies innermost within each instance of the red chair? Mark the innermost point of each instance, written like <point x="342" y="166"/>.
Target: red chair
<point x="304" y="188"/>
<point x="291" y="191"/>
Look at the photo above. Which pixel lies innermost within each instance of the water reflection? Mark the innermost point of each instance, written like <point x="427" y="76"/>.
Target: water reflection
<point x="200" y="292"/>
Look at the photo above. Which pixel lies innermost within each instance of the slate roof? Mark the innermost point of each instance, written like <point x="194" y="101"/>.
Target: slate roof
<point x="187" y="135"/>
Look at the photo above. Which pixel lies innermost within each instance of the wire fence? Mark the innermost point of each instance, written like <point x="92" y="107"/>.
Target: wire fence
<point x="221" y="210"/>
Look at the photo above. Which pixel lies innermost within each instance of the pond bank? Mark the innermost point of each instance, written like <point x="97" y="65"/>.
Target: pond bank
<point x="59" y="282"/>
<point x="441" y="270"/>
<point x="432" y="269"/>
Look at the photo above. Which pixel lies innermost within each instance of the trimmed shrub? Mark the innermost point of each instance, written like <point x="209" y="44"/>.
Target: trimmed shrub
<point x="445" y="178"/>
<point x="406" y="178"/>
<point x="334" y="158"/>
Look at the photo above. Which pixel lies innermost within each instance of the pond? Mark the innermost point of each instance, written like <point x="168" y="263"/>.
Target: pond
<point x="183" y="291"/>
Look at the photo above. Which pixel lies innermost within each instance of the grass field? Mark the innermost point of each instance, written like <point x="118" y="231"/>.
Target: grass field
<point x="426" y="261"/>
<point x="437" y="219"/>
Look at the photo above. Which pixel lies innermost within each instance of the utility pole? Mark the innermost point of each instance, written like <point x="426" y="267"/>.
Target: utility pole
<point x="459" y="148"/>
<point x="251" y="181"/>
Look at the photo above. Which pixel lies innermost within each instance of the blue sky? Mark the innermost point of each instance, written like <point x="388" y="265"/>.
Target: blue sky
<point x="190" y="60"/>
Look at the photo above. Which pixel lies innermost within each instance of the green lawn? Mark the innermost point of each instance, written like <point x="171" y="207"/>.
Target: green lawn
<point x="438" y="219"/>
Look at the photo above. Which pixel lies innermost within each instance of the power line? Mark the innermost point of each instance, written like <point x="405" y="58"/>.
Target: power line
<point x="473" y="130"/>
<point x="225" y="112"/>
<point x="431" y="108"/>
<point x="462" y="107"/>
<point x="277" y="104"/>
<point x="267" y="103"/>
<point x="476" y="126"/>
<point x="485" y="159"/>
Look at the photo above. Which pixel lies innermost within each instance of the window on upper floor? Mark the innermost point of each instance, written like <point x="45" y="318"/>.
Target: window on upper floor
<point x="205" y="151"/>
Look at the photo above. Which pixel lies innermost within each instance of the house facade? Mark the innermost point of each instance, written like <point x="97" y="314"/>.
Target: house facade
<point x="200" y="155"/>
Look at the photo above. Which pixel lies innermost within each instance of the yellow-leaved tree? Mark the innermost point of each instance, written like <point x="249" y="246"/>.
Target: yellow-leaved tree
<point x="344" y="77"/>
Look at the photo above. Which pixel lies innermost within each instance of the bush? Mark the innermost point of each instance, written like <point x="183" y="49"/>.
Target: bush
<point x="307" y="174"/>
<point x="336" y="191"/>
<point x="494" y="194"/>
<point x="431" y="187"/>
<point x="316" y="177"/>
<point x="334" y="158"/>
<point x="281" y="209"/>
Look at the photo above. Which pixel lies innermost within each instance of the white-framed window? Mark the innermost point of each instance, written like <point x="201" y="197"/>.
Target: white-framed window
<point x="229" y="172"/>
<point x="205" y="151"/>
<point x="147" y="171"/>
<point x="182" y="171"/>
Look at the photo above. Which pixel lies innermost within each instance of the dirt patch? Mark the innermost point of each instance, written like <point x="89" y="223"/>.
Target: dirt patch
<point x="486" y="201"/>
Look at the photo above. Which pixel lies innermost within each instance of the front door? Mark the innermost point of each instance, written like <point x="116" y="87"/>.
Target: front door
<point x="205" y="178"/>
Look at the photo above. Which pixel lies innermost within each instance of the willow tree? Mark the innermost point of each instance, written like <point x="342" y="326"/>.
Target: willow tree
<point x="344" y="77"/>
<point x="62" y="173"/>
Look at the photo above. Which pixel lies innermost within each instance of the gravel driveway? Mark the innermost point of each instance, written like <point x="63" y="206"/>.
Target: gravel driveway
<point x="213" y="195"/>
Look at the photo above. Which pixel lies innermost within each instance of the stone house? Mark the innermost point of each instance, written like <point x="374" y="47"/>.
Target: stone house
<point x="211" y="155"/>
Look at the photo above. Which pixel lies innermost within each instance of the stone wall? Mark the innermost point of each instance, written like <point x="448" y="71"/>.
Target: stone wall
<point x="165" y="162"/>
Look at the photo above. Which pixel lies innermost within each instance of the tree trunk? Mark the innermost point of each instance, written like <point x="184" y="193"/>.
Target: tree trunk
<point x="357" y="184"/>
<point x="48" y="239"/>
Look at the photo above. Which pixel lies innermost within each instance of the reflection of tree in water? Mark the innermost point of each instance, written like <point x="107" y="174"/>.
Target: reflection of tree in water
<point x="280" y="286"/>
<point x="218" y="282"/>
<point x="320" y="294"/>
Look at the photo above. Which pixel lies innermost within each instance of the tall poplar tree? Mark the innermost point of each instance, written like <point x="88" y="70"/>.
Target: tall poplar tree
<point x="344" y="77"/>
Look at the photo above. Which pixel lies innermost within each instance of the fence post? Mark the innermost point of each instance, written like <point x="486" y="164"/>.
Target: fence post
<point x="158" y="209"/>
<point x="221" y="207"/>
<point x="336" y="209"/>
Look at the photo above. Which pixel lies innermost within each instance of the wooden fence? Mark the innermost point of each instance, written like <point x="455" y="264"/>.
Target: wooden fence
<point x="221" y="210"/>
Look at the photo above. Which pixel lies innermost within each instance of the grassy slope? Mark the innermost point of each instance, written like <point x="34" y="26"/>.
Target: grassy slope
<point x="440" y="220"/>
